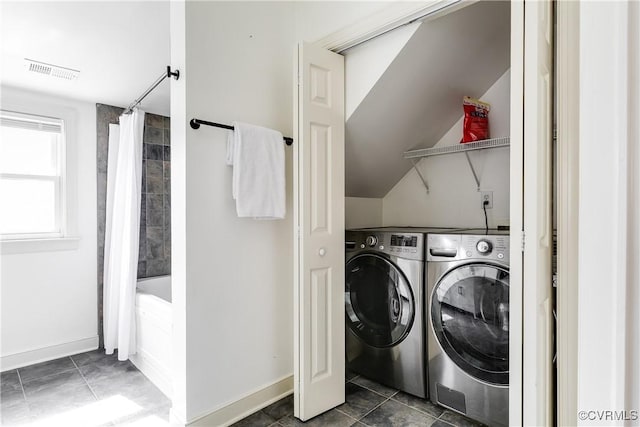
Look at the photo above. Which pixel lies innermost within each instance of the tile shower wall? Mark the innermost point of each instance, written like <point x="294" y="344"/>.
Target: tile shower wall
<point x="154" y="257"/>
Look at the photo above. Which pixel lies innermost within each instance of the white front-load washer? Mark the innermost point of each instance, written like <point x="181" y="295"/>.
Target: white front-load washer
<point x="468" y="324"/>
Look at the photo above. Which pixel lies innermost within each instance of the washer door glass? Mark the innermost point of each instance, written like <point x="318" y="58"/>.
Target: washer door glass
<point x="470" y="317"/>
<point x="378" y="300"/>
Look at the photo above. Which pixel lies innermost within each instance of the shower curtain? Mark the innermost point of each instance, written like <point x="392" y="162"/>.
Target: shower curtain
<point x="122" y="228"/>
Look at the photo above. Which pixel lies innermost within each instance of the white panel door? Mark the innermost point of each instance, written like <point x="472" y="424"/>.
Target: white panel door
<point x="319" y="369"/>
<point x="538" y="392"/>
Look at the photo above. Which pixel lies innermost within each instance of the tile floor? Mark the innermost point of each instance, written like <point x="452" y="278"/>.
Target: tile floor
<point x="367" y="404"/>
<point x="88" y="389"/>
<point x="93" y="389"/>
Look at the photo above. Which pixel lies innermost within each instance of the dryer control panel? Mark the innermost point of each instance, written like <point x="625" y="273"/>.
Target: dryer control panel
<point x="449" y="247"/>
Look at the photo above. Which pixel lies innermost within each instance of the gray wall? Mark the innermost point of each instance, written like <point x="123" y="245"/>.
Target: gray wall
<point x="154" y="257"/>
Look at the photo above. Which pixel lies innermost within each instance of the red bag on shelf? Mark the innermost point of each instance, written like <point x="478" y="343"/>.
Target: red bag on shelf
<point x="476" y="120"/>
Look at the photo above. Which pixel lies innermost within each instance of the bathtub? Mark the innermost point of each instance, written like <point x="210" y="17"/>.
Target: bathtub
<point x="153" y="331"/>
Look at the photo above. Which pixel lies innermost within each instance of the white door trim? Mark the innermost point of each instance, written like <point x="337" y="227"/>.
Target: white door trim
<point x="516" y="163"/>
<point x="537" y="291"/>
<point x="388" y="19"/>
<point x="568" y="152"/>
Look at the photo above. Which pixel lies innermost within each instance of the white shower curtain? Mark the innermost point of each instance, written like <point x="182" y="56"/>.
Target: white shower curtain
<point x="124" y="191"/>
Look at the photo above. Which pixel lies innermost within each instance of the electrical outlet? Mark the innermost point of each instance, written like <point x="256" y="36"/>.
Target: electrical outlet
<point x="486" y="196"/>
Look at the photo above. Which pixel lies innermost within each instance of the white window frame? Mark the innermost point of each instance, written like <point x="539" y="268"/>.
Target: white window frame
<point x="59" y="179"/>
<point x="36" y="104"/>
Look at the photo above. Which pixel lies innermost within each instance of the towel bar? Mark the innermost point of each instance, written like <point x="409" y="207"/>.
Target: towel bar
<point x="195" y="124"/>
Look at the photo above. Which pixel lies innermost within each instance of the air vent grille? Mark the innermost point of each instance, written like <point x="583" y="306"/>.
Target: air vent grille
<point x="51" y="70"/>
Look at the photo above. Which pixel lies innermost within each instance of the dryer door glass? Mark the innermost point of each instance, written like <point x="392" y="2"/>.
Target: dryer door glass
<point x="378" y="300"/>
<point x="470" y="317"/>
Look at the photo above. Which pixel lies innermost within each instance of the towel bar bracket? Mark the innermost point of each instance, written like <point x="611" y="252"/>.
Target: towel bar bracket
<point x="175" y="74"/>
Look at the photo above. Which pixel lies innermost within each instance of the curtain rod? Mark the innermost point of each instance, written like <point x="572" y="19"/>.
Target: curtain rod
<point x="165" y="75"/>
<point x="195" y="124"/>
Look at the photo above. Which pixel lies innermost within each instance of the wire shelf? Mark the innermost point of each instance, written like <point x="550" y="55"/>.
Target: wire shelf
<point x="452" y="149"/>
<point x="458" y="148"/>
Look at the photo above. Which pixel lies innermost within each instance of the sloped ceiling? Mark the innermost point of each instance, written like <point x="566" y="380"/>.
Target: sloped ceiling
<point x="365" y="64"/>
<point x="419" y="97"/>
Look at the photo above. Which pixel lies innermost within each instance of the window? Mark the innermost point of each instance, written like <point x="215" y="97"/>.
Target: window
<point x="31" y="176"/>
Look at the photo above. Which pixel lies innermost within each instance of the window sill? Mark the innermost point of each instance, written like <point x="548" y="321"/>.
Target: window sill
<point x="24" y="246"/>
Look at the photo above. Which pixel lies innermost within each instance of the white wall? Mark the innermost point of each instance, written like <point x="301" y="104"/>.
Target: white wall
<point x="49" y="296"/>
<point x="632" y="392"/>
<point x="362" y="212"/>
<point x="453" y="200"/>
<point x="238" y="271"/>
<point x="609" y="211"/>
<point x="178" y="214"/>
<point x="315" y="20"/>
<point x="235" y="275"/>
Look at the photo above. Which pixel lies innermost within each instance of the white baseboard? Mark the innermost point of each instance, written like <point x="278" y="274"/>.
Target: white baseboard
<point x="247" y="405"/>
<point x="152" y="369"/>
<point x="176" y="417"/>
<point x="26" y="358"/>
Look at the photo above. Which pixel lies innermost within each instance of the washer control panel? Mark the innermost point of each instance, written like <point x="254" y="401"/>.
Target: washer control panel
<point x="444" y="247"/>
<point x="400" y="244"/>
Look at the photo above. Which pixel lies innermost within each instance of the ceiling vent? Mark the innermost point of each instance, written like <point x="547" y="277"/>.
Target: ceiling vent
<point x="51" y="70"/>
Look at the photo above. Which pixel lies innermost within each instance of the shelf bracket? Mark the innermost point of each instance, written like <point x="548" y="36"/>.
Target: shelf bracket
<point x="473" y="170"/>
<point x="424" y="181"/>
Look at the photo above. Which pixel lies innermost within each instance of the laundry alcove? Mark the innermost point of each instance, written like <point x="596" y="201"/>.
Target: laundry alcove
<point x="404" y="92"/>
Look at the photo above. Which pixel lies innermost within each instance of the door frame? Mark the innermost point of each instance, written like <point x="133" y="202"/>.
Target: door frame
<point x="516" y="214"/>
<point x="388" y="19"/>
<point x="401" y="14"/>
<point x="568" y="156"/>
<point x="537" y="289"/>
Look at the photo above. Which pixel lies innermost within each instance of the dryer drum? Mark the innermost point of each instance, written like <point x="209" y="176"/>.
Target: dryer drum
<point x="470" y="317"/>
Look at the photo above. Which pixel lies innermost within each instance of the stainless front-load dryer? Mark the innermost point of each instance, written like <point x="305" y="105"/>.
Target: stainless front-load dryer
<point x="468" y="318"/>
<point x="384" y="294"/>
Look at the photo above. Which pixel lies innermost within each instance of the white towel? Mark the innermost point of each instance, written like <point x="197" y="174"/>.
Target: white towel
<point x="230" y="138"/>
<point x="257" y="157"/>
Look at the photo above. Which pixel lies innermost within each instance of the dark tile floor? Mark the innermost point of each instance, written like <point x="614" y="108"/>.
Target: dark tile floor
<point x="93" y="389"/>
<point x="88" y="389"/>
<point x="367" y="404"/>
